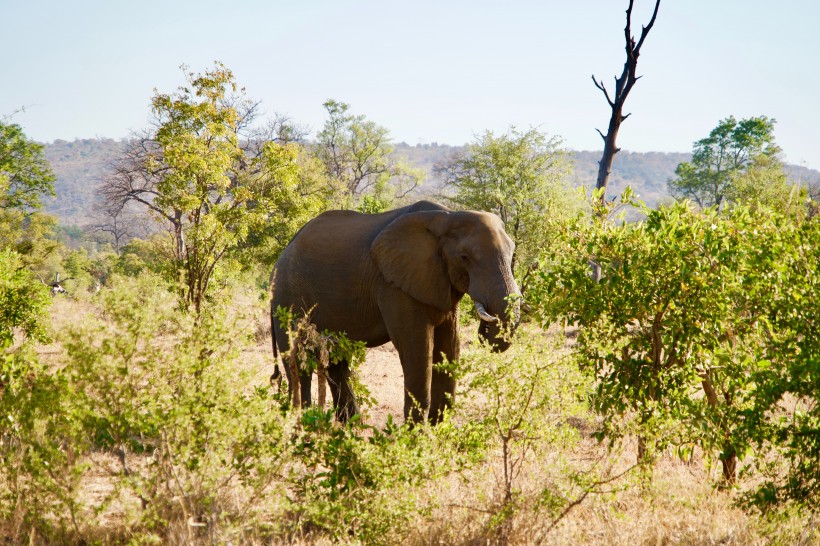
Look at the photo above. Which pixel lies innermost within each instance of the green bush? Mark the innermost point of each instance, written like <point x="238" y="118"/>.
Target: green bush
<point x="40" y="443"/>
<point x="701" y="330"/>
<point x="783" y="422"/>
<point x="354" y="481"/>
<point x="23" y="301"/>
<point x="166" y="392"/>
<point x="518" y="402"/>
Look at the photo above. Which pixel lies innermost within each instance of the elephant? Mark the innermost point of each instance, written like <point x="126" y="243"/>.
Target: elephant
<point x="397" y="276"/>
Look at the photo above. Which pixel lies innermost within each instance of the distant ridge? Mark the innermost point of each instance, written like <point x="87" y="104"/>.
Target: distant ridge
<point x="80" y="166"/>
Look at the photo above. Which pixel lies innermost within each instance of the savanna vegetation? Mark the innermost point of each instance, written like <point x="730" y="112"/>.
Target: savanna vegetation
<point x="670" y="398"/>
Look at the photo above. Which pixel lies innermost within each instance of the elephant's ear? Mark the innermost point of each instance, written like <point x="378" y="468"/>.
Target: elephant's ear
<point x="407" y="253"/>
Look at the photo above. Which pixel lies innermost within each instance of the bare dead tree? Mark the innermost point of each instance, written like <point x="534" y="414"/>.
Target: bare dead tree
<point x="134" y="177"/>
<point x="623" y="85"/>
<point x="111" y="219"/>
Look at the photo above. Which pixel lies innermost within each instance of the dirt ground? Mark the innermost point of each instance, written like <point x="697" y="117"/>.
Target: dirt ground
<point x="381" y="374"/>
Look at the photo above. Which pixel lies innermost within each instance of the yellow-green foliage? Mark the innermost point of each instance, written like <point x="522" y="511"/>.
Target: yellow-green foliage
<point x="23" y="301"/>
<point x="700" y="331"/>
<point x="523" y="177"/>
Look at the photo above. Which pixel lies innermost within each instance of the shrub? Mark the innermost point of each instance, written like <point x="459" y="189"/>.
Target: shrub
<point x="23" y="301"/>
<point x="517" y="403"/>
<point x="677" y="310"/>
<point x="166" y="393"/>
<point x="40" y="445"/>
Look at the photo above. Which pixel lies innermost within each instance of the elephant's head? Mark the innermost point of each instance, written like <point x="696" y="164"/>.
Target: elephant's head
<point x="437" y="256"/>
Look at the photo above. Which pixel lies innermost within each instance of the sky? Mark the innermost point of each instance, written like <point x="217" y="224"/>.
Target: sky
<point x="430" y="71"/>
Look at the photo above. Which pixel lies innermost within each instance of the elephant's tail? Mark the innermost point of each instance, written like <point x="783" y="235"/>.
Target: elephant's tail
<point x="277" y="373"/>
<point x="276" y="377"/>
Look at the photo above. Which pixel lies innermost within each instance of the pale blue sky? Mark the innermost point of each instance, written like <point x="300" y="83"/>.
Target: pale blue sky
<point x="430" y="71"/>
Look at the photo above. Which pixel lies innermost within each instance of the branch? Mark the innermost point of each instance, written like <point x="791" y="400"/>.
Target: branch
<point x="630" y="41"/>
<point x="602" y="88"/>
<point x="645" y="30"/>
<point x="602" y="135"/>
<point x="586" y="492"/>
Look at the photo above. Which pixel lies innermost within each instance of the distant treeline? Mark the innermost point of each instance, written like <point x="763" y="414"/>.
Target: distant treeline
<point x="81" y="164"/>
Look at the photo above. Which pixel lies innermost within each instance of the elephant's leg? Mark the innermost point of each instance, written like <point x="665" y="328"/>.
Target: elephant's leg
<point x="283" y="348"/>
<point x="305" y="379"/>
<point x="446" y="346"/>
<point x="411" y="331"/>
<point x="338" y="378"/>
<point x="417" y="367"/>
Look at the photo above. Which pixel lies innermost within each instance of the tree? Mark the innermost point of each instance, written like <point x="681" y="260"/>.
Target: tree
<point x="623" y="85"/>
<point x="358" y="154"/>
<point x="194" y="175"/>
<point x="521" y="177"/>
<point x="686" y="313"/>
<point x="114" y="222"/>
<point x="295" y="198"/>
<point x="765" y="182"/>
<point x="783" y="423"/>
<point x="25" y="175"/>
<point x="734" y="154"/>
<point x="23" y="302"/>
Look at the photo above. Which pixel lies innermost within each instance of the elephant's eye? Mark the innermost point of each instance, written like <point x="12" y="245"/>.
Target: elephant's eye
<point x="465" y="258"/>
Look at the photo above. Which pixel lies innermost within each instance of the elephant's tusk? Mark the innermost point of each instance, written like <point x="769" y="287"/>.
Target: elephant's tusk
<point x="482" y="312"/>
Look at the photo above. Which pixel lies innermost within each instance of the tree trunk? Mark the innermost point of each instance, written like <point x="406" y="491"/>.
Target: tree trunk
<point x="623" y="85"/>
<point x="728" y="457"/>
<point x="610" y="149"/>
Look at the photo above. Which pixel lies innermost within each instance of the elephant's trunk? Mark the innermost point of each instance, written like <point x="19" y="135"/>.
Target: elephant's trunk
<point x="500" y="317"/>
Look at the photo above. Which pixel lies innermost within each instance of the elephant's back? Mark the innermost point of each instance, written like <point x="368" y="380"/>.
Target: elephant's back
<point x="328" y="268"/>
<point x="346" y="231"/>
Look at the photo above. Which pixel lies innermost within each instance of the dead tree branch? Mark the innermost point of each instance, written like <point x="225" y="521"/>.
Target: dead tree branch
<point x="623" y="85"/>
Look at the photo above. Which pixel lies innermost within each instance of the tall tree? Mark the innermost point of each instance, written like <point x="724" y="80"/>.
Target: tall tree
<point x="194" y="175"/>
<point x="735" y="157"/>
<point x="623" y="85"/>
<point x="358" y="153"/>
<point x="25" y="176"/>
<point x="522" y="177"/>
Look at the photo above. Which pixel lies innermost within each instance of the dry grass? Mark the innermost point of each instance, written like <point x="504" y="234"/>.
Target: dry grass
<point x="679" y="505"/>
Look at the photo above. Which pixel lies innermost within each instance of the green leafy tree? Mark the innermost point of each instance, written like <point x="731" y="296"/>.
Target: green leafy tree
<point x="719" y="162"/>
<point x="783" y="423"/>
<point x="39" y="452"/>
<point x="302" y="190"/>
<point x="764" y="182"/>
<point x="25" y="176"/>
<point x="523" y="178"/>
<point x="679" y="309"/>
<point x="194" y="174"/>
<point x="358" y="154"/>
<point x="23" y="301"/>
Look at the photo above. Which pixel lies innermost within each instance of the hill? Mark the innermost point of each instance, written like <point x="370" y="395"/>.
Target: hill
<point x="80" y="166"/>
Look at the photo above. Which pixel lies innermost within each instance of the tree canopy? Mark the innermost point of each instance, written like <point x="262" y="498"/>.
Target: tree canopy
<point x="522" y="176"/>
<point x="358" y="154"/>
<point x="723" y="164"/>
<point x="215" y="191"/>
<point x="25" y="174"/>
